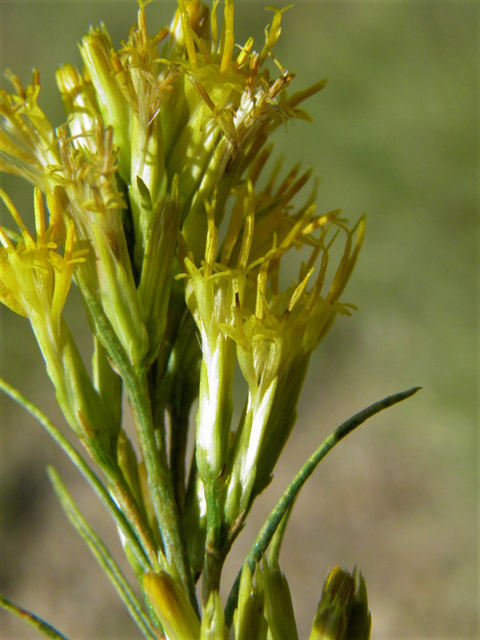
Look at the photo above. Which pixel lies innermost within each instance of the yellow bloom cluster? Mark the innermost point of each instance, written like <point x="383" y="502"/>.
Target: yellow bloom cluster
<point x="160" y="211"/>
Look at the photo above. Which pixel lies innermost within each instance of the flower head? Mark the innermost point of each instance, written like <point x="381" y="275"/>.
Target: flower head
<point x="34" y="276"/>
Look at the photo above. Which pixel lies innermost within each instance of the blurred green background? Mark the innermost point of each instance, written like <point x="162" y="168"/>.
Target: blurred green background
<point x="395" y="134"/>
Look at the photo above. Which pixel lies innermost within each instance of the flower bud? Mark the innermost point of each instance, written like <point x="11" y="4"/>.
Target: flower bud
<point x="172" y="607"/>
<point x="343" y="610"/>
<point x="213" y="620"/>
<point x="96" y="53"/>
<point x="80" y="105"/>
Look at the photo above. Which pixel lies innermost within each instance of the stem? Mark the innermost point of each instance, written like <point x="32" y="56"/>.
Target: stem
<point x="266" y="533"/>
<point x="179" y="416"/>
<point x="213" y="556"/>
<point x="159" y="480"/>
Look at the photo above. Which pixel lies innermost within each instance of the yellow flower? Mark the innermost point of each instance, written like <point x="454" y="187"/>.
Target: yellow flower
<point x="34" y="277"/>
<point x="27" y="139"/>
<point x="236" y="300"/>
<point x="200" y="110"/>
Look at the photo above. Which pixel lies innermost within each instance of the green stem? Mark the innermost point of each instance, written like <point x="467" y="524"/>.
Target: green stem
<point x="213" y="556"/>
<point x="266" y="533"/>
<point x="179" y="415"/>
<point x="37" y="623"/>
<point x="159" y="480"/>
<point x="127" y="518"/>
<point x="103" y="557"/>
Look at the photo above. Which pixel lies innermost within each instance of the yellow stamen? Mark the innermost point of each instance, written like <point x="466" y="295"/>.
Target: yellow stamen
<point x="247" y="230"/>
<point x="212" y="238"/>
<point x="214" y="25"/>
<point x="39" y="215"/>
<point x="14" y="213"/>
<point x="243" y="55"/>
<point x="188" y="33"/>
<point x="297" y="294"/>
<point x="229" y="37"/>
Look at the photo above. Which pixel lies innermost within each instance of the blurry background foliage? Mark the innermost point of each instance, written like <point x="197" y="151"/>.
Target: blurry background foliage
<point x="395" y="134"/>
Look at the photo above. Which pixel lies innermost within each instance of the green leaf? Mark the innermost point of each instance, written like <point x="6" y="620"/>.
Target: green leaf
<point x="103" y="557"/>
<point x="119" y="518"/>
<point x="268" y="530"/>
<point x="30" y="618"/>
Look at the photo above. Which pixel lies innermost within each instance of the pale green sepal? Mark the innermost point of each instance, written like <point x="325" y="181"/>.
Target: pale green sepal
<point x="148" y="179"/>
<point x="281" y="421"/>
<point x="215" y="411"/>
<point x="108" y="385"/>
<point x="243" y="466"/>
<point x="128" y="463"/>
<point x="75" y="393"/>
<point x="120" y="303"/>
<point x="278" y="601"/>
<point x="213" y="620"/>
<point x="249" y="617"/>
<point x="196" y="526"/>
<point x="80" y="104"/>
<point x="210" y="301"/>
<point x="172" y="607"/>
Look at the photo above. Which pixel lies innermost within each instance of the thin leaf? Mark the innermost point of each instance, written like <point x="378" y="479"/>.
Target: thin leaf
<point x="84" y="469"/>
<point x="103" y="557"/>
<point x="268" y="530"/>
<point x="30" y="618"/>
<point x="276" y="543"/>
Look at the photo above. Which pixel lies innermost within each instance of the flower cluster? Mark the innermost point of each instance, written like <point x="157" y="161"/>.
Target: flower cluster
<point x="163" y="212"/>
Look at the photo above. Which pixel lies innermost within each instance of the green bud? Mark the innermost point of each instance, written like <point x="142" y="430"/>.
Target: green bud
<point x="119" y="300"/>
<point x="172" y="607"/>
<point x="96" y="53"/>
<point x="343" y="610"/>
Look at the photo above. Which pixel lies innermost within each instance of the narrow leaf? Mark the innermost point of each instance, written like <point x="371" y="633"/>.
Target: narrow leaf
<point x="103" y="557"/>
<point x="83" y="467"/>
<point x="30" y="618"/>
<point x="268" y="530"/>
